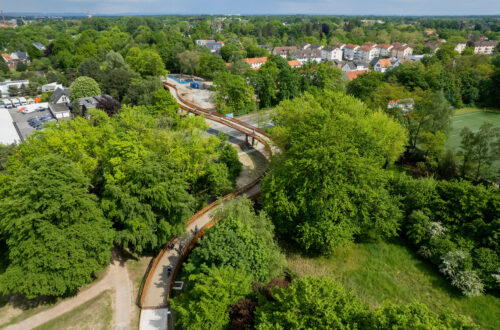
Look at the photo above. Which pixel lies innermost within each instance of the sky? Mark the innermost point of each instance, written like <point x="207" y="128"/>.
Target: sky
<point x="259" y="7"/>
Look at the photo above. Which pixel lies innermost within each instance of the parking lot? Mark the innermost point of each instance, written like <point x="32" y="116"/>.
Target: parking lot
<point x="21" y="121"/>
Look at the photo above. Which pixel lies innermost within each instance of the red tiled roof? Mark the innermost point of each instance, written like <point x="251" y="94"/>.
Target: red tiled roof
<point x="294" y="63"/>
<point x="7" y="57"/>
<point x="351" y="46"/>
<point x="385" y="46"/>
<point x="369" y="44"/>
<point x="385" y="62"/>
<point x="365" y="48"/>
<point x="351" y="75"/>
<point x="256" y="60"/>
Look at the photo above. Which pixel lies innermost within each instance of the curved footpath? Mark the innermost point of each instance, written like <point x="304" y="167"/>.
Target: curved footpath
<point x="156" y="292"/>
<point x="116" y="280"/>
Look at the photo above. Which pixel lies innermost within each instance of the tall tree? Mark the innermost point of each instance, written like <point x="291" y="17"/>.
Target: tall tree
<point x="55" y="230"/>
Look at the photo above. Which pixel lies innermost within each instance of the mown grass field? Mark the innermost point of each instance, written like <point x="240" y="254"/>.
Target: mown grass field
<point x="472" y="118"/>
<point x="96" y="313"/>
<point x="382" y="271"/>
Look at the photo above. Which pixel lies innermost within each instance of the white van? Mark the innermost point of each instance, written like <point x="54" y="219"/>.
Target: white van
<point x="15" y="102"/>
<point x="7" y="103"/>
<point x="22" y="100"/>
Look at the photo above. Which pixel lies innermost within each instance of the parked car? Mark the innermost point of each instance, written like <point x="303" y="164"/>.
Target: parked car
<point x="41" y="108"/>
<point x="45" y="117"/>
<point x="29" y="110"/>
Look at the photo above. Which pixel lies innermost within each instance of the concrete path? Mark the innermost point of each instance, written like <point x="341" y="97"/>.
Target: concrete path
<point x="116" y="279"/>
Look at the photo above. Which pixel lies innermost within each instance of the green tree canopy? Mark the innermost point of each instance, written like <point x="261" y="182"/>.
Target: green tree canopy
<point x="206" y="300"/>
<point x="56" y="233"/>
<point x="233" y="94"/>
<point x="328" y="186"/>
<point x="242" y="240"/>
<point x="312" y="303"/>
<point x="83" y="87"/>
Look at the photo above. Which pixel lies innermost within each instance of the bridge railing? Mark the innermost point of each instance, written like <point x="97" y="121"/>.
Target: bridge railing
<point x="225" y="121"/>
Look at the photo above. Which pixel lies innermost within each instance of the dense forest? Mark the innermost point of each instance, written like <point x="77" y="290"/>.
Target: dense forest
<point x="350" y="169"/>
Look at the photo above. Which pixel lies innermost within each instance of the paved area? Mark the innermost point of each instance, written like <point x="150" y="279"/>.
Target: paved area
<point x="116" y="279"/>
<point x="20" y="120"/>
<point x="155" y="319"/>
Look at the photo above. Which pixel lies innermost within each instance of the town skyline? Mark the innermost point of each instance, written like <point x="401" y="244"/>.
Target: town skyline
<point x="258" y="7"/>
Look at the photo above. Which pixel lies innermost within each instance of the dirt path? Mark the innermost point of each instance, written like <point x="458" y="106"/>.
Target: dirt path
<point x="116" y="279"/>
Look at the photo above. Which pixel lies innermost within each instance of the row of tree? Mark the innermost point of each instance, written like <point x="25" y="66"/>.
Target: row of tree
<point x="74" y="189"/>
<point x="231" y="284"/>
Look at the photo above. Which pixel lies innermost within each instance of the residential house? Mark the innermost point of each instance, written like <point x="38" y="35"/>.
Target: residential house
<point x="294" y="64"/>
<point x="351" y="75"/>
<point x="404" y="105"/>
<point x="39" y="46"/>
<point x="384" y="50"/>
<point x="399" y="44"/>
<point x="382" y="65"/>
<point x="330" y="53"/>
<point x="433" y="45"/>
<point x="401" y="52"/>
<point x="9" y="60"/>
<point x="308" y="55"/>
<point x="20" y="57"/>
<point x="460" y="47"/>
<point x="213" y="45"/>
<point x="256" y="62"/>
<point x="4" y="86"/>
<point x="366" y="53"/>
<point x="340" y="45"/>
<point x="51" y="87"/>
<point x="485" y="47"/>
<point x="59" y="110"/>
<point x="59" y="105"/>
<point x="350" y="51"/>
<point x="285" y="51"/>
<point x="60" y="96"/>
<point x="354" y="66"/>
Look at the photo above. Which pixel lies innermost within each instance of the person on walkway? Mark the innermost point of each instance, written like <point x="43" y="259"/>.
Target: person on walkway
<point x="169" y="270"/>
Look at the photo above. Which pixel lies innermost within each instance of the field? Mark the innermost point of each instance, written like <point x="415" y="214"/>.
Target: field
<point x="96" y="313"/>
<point x="382" y="271"/>
<point x="473" y="120"/>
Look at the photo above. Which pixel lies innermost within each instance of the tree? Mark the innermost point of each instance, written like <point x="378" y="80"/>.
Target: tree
<point x="83" y="87"/>
<point x="415" y="316"/>
<point x="206" y="300"/>
<point x="142" y="91"/>
<point x="364" y="86"/>
<point x="242" y="240"/>
<point x="327" y="187"/>
<point x="209" y="65"/>
<point x="145" y="196"/>
<point x="21" y="67"/>
<point x="431" y="113"/>
<point x="55" y="230"/>
<point x="146" y="62"/>
<point x="230" y="51"/>
<point x="312" y="303"/>
<point x="5" y="151"/>
<point x="189" y="60"/>
<point x="90" y="68"/>
<point x="479" y="150"/>
<point x="108" y="105"/>
<point x="165" y="103"/>
<point x="4" y="67"/>
<point x="233" y="94"/>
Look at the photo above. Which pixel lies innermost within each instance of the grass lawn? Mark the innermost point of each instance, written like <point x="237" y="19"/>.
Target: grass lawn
<point x="382" y="271"/>
<point x="471" y="119"/>
<point x="96" y="313"/>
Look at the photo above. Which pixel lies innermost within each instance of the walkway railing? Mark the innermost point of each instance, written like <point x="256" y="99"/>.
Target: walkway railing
<point x="237" y="125"/>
